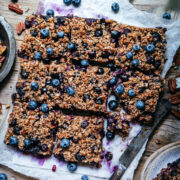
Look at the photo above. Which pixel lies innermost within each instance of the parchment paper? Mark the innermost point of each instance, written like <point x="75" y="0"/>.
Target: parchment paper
<point x="41" y="168"/>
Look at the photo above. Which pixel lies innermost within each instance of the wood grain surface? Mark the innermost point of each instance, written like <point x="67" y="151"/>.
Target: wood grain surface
<point x="169" y="130"/>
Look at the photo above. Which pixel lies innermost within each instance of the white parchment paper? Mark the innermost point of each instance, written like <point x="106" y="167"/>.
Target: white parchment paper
<point x="41" y="168"/>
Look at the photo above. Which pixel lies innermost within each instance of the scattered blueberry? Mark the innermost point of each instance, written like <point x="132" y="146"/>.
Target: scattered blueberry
<point x="113" y="81"/>
<point x="44" y="147"/>
<point x="67" y="2"/>
<point x="140" y="104"/>
<point x="27" y="143"/>
<point x="129" y="55"/>
<point x="115" y="7"/>
<point x="92" y="54"/>
<point x="84" y="177"/>
<point x="113" y="104"/>
<point x="135" y="62"/>
<point x="157" y="64"/>
<point x="84" y="63"/>
<point x="70" y="90"/>
<point x="72" y="166"/>
<point x="16" y="130"/>
<point x="115" y="34"/>
<point x="167" y="15"/>
<point x="98" y="100"/>
<point x="44" y="108"/>
<point x="71" y="46"/>
<point x="119" y="89"/>
<point x="97" y="90"/>
<point x="34" y="86"/>
<point x="76" y="3"/>
<point x="43" y="90"/>
<point x="13" y="141"/>
<point x="50" y="12"/>
<point x="34" y="33"/>
<point x="49" y="51"/>
<point x="131" y="93"/>
<point x="32" y="105"/>
<point x="37" y="55"/>
<point x="60" y="34"/>
<point x="24" y="74"/>
<point x="84" y="124"/>
<point x="108" y="156"/>
<point x="98" y="32"/>
<point x="109" y="135"/>
<point x="65" y="143"/>
<point x="105" y="54"/>
<point x="136" y="47"/>
<point x="150" y="47"/>
<point x="55" y="82"/>
<point x="3" y="176"/>
<point x="100" y="71"/>
<point x="44" y="33"/>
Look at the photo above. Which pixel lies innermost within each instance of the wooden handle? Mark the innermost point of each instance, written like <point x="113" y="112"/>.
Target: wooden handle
<point x="117" y="174"/>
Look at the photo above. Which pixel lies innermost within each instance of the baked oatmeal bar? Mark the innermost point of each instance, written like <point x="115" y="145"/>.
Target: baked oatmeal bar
<point x="79" y="138"/>
<point x="31" y="130"/>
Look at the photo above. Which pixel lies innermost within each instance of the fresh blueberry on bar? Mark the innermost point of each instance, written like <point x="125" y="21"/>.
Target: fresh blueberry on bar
<point x="60" y="34"/>
<point x="34" y="33"/>
<point x="49" y="51"/>
<point x="34" y="86"/>
<point x="44" y="33"/>
<point x="43" y="90"/>
<point x="76" y="3"/>
<point x="167" y="15"/>
<point x="113" y="104"/>
<point x="84" y="63"/>
<point x="136" y="47"/>
<point x="140" y="104"/>
<point x="129" y="55"/>
<point x="115" y="34"/>
<point x="65" y="143"/>
<point x="131" y="93"/>
<point x="3" y="176"/>
<point x="44" y="147"/>
<point x="44" y="108"/>
<point x="113" y="81"/>
<point x="105" y="54"/>
<point x="71" y="166"/>
<point x="92" y="54"/>
<point x="100" y="71"/>
<point x="24" y="74"/>
<point x="27" y="143"/>
<point x="32" y="105"/>
<point x="109" y="135"/>
<point x="67" y="2"/>
<point x="97" y="90"/>
<point x="115" y="7"/>
<point x="98" y="33"/>
<point x="13" y="141"/>
<point x="135" y="62"/>
<point x="84" y="177"/>
<point x="50" y="12"/>
<point x="55" y="82"/>
<point x="108" y="156"/>
<point x="150" y="47"/>
<point x="37" y="55"/>
<point x="119" y="89"/>
<point x="84" y="124"/>
<point x="71" y="46"/>
<point x="70" y="91"/>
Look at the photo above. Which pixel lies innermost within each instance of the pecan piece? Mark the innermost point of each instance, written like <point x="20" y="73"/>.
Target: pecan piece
<point x="175" y="99"/>
<point x="172" y="85"/>
<point x="15" y="7"/>
<point x="20" y="28"/>
<point x="2" y="49"/>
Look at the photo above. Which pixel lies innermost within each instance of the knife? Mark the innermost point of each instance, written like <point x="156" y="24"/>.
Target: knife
<point x="136" y="144"/>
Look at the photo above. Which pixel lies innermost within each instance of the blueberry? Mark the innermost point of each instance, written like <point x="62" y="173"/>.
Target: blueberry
<point x="92" y="54"/>
<point x="34" y="86"/>
<point x="167" y="15"/>
<point x="48" y="82"/>
<point x="24" y="74"/>
<point x="108" y="156"/>
<point x="16" y="130"/>
<point x="105" y="54"/>
<point x="140" y="104"/>
<point x="113" y="81"/>
<point x="100" y="71"/>
<point x="129" y="55"/>
<point x="44" y="147"/>
<point x="76" y="3"/>
<point x="115" y="7"/>
<point x="84" y="124"/>
<point x="70" y="90"/>
<point x="55" y="82"/>
<point x="136" y="47"/>
<point x="113" y="104"/>
<point x="44" y="108"/>
<point x="13" y="141"/>
<point x="43" y="90"/>
<point x="32" y="105"/>
<point x="50" y="12"/>
<point x="115" y="34"/>
<point x="49" y="51"/>
<point x="97" y="90"/>
<point x="34" y="33"/>
<point x="119" y="89"/>
<point x="84" y="63"/>
<point x="98" y="100"/>
<point x="98" y="32"/>
<point x="60" y="34"/>
<point x="65" y="143"/>
<point x="84" y="177"/>
<point x="71" y="46"/>
<point x="131" y="93"/>
<point x="157" y="64"/>
<point x="44" y="33"/>
<point x="109" y="135"/>
<point x="27" y="143"/>
<point x="135" y="62"/>
<point x="67" y="2"/>
<point x="72" y="166"/>
<point x="38" y="55"/>
<point x="3" y="176"/>
<point x="150" y="47"/>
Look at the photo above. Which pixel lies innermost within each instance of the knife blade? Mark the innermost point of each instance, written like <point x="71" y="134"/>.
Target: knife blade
<point x="136" y="144"/>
